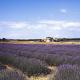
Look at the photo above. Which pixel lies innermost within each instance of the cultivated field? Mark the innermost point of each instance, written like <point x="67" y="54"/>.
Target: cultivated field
<point x="37" y="42"/>
<point x="37" y="61"/>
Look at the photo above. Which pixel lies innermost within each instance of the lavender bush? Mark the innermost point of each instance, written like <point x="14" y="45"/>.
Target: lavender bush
<point x="21" y="55"/>
<point x="67" y="72"/>
<point x="11" y="75"/>
<point x="30" y="66"/>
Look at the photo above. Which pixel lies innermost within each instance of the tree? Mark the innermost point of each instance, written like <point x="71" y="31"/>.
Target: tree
<point x="4" y="39"/>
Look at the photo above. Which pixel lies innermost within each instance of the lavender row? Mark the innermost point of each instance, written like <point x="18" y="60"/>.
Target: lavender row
<point x="51" y="54"/>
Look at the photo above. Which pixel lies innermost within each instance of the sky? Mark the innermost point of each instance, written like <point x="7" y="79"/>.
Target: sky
<point x="28" y="19"/>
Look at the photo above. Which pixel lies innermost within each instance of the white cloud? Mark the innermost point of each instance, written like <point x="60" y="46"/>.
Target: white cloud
<point x="72" y="24"/>
<point x="63" y="10"/>
<point x="16" y="25"/>
<point x="53" y="24"/>
<point x="39" y="28"/>
<point x="61" y="24"/>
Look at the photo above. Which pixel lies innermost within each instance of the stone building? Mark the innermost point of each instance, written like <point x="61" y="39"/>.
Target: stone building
<point x="48" y="39"/>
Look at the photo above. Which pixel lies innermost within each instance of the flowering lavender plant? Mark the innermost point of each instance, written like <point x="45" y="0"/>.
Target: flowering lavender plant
<point x="67" y="72"/>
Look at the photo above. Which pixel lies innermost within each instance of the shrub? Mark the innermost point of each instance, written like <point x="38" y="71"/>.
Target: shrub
<point x="54" y="60"/>
<point x="30" y="66"/>
<point x="67" y="72"/>
<point x="11" y="75"/>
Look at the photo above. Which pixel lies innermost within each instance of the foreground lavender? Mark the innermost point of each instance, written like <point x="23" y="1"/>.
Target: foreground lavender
<point x="50" y="53"/>
<point x="34" y="59"/>
<point x="11" y="75"/>
<point x="29" y="66"/>
<point x="67" y="72"/>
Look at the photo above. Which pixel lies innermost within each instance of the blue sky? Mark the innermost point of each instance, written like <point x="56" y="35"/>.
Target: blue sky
<point x="21" y="19"/>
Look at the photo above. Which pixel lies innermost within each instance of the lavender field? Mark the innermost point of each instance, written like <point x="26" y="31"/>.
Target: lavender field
<point x="34" y="59"/>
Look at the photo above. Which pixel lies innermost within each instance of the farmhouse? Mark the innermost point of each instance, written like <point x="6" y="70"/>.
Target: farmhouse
<point x="48" y="39"/>
<point x="51" y="39"/>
